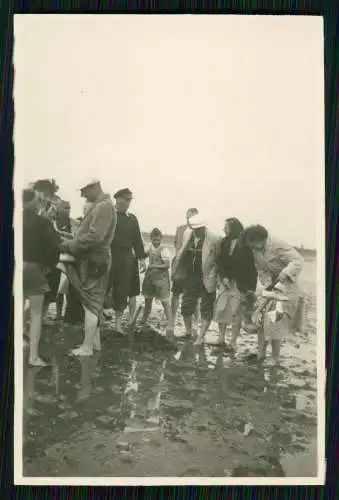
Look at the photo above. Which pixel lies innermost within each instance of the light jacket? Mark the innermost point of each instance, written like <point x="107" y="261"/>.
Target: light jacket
<point x="277" y="257"/>
<point x="210" y="254"/>
<point x="95" y="234"/>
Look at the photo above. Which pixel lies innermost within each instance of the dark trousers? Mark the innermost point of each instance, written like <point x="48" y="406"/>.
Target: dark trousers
<point x="194" y="290"/>
<point x="119" y="282"/>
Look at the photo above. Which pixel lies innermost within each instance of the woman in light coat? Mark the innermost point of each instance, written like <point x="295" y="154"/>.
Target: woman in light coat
<point x="277" y="263"/>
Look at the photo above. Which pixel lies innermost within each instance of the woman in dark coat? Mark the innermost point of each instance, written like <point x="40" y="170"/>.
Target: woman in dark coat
<point x="40" y="255"/>
<point x="237" y="278"/>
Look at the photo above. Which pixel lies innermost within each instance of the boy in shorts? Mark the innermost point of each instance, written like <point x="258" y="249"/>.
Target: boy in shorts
<point x="156" y="284"/>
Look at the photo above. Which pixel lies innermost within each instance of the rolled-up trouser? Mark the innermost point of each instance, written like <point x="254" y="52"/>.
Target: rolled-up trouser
<point x="194" y="290"/>
<point x="119" y="282"/>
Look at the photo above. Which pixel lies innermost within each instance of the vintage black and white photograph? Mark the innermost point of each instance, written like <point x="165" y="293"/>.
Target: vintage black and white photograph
<point x="169" y="249"/>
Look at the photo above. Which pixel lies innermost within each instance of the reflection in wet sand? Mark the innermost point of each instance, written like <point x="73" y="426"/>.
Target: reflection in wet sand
<point x="137" y="409"/>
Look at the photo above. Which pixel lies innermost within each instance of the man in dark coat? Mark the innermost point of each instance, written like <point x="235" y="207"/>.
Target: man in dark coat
<point x="127" y="245"/>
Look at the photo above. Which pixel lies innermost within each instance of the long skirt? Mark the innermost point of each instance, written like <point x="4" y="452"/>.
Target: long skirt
<point x="120" y="279"/>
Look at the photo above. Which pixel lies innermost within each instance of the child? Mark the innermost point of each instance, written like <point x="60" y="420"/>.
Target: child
<point x="157" y="281"/>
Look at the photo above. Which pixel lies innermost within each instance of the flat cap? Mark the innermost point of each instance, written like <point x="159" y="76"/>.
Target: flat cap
<point x="123" y="193"/>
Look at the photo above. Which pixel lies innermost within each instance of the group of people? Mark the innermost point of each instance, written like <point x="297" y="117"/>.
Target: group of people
<point x="97" y="264"/>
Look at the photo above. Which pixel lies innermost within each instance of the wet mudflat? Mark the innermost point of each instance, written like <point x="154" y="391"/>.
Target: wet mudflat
<point x="142" y="408"/>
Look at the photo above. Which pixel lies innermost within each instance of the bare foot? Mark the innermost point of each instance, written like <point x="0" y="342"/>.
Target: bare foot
<point x="81" y="351"/>
<point x="36" y="361"/>
<point x="97" y="347"/>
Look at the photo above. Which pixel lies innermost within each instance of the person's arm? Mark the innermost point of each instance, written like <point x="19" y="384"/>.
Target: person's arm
<point x="176" y="238"/>
<point x="138" y="244"/>
<point x="51" y="242"/>
<point x="292" y="259"/>
<point x="101" y="223"/>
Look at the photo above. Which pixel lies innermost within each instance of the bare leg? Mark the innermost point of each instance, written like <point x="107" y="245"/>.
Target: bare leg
<point x="262" y="344"/>
<point x="91" y="324"/>
<point x="132" y="305"/>
<point x="45" y="310"/>
<point x="168" y="314"/>
<point x="37" y="303"/>
<point x="188" y="325"/>
<point x="276" y="343"/>
<point x="118" y="321"/>
<point x="236" y="327"/>
<point x="222" y="332"/>
<point x="59" y="306"/>
<point x="174" y="308"/>
<point x="147" y="310"/>
<point x="203" y="330"/>
<point x="97" y="340"/>
<point x="197" y="315"/>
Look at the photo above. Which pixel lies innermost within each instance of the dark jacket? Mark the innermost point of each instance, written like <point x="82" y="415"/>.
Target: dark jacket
<point x="127" y="235"/>
<point x="40" y="240"/>
<point x="238" y="266"/>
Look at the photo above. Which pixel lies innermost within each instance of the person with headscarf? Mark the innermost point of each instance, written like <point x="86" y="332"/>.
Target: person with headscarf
<point x="91" y="252"/>
<point x="279" y="266"/>
<point x="127" y="245"/>
<point x="198" y="256"/>
<point x="40" y="255"/>
<point x="237" y="277"/>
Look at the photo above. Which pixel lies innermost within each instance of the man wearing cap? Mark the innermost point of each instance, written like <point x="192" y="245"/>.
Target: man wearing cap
<point x="178" y="277"/>
<point x="91" y="248"/>
<point x="127" y="245"/>
<point x="198" y="257"/>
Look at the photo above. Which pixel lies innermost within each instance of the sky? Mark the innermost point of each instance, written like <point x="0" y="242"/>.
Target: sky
<point x="224" y="113"/>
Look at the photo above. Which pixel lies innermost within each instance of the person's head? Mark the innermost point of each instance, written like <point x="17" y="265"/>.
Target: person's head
<point x="156" y="237"/>
<point x="233" y="228"/>
<point x="190" y="212"/>
<point x="91" y="190"/>
<point x="31" y="200"/>
<point x="123" y="199"/>
<point x="256" y="237"/>
<point x="197" y="224"/>
<point x="46" y="188"/>
<point x="64" y="207"/>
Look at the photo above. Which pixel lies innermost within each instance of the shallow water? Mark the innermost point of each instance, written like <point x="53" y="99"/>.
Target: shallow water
<point x="141" y="408"/>
<point x="157" y="410"/>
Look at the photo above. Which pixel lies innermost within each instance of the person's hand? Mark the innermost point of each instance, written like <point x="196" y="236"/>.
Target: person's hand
<point x="283" y="277"/>
<point x="142" y="266"/>
<point x="226" y="282"/>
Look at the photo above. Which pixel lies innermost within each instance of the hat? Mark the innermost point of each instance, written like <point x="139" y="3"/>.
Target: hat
<point x="196" y="221"/>
<point x="123" y="193"/>
<point x="89" y="181"/>
<point x="29" y="198"/>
